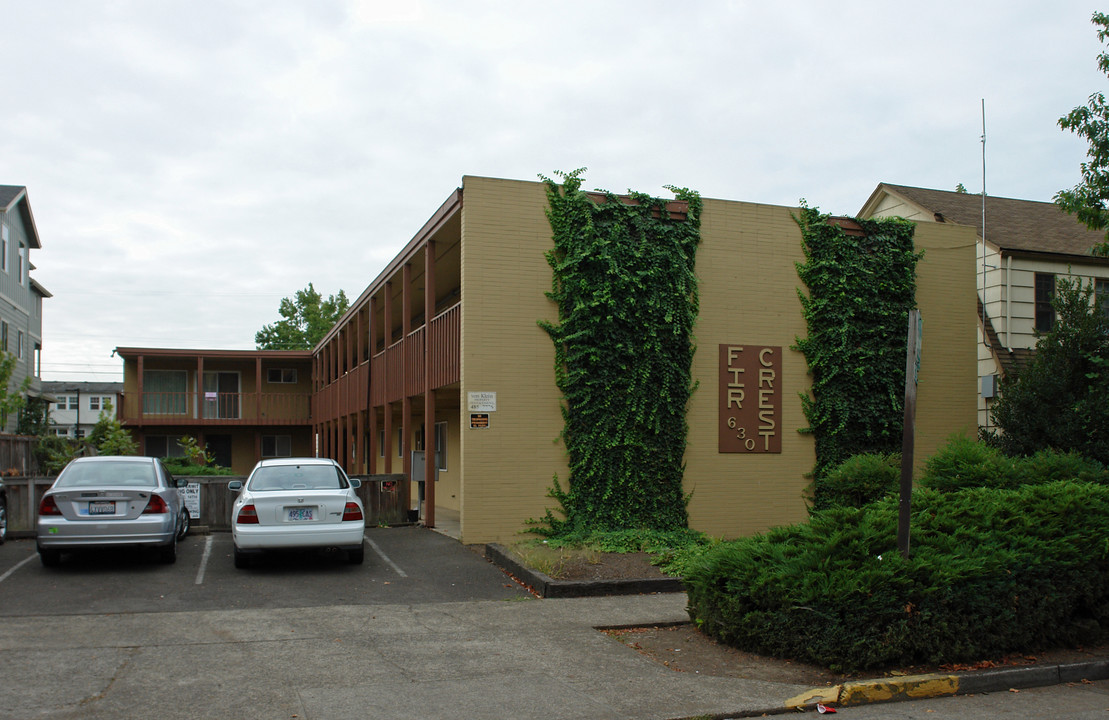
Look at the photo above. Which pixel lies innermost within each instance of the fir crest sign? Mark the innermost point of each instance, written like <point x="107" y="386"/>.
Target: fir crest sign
<point x="750" y="417"/>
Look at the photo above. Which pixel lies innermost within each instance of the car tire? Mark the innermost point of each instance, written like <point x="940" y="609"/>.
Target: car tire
<point x="185" y="524"/>
<point x="3" y="520"/>
<point x="356" y="557"/>
<point x="168" y="553"/>
<point x="50" y="558"/>
<point x="241" y="559"/>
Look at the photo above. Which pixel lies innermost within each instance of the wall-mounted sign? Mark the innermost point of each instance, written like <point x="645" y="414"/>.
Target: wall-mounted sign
<point x="482" y="402"/>
<point x="479" y="421"/>
<point x="750" y="418"/>
<point x="190" y="495"/>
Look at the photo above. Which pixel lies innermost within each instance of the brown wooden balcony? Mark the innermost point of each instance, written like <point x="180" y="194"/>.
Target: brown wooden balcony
<point x="215" y="409"/>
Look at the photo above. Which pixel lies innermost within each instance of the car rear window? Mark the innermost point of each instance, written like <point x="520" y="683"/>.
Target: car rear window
<point x="126" y="474"/>
<point x="297" y="477"/>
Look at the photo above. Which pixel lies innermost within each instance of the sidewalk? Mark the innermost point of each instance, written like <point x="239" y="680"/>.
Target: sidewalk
<point x="487" y="659"/>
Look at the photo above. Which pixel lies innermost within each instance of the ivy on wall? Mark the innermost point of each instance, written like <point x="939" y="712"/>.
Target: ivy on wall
<point x="623" y="279"/>
<point x="861" y="287"/>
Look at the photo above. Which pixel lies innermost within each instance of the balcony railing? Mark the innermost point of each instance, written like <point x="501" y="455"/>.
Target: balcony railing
<point x="167" y="408"/>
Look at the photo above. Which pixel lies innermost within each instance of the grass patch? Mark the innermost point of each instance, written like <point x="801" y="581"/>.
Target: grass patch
<point x="551" y="560"/>
<point x="673" y="552"/>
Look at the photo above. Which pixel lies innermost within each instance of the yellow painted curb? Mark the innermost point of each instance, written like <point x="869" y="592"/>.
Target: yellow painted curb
<point x="910" y="686"/>
<point x="875" y="691"/>
<point x="823" y="695"/>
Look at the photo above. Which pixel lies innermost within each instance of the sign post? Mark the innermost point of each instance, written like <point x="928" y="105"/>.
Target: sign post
<point x="912" y="370"/>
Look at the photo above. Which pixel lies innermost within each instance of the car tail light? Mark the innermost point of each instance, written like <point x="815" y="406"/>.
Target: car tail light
<point x="352" y="512"/>
<point x="155" y="506"/>
<point x="247" y="516"/>
<point x="48" y="506"/>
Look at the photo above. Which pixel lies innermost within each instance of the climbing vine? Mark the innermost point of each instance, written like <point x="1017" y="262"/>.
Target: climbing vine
<point x="861" y="287"/>
<point x="624" y="283"/>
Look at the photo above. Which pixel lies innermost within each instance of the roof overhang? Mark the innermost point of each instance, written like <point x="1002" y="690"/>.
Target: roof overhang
<point x="134" y="352"/>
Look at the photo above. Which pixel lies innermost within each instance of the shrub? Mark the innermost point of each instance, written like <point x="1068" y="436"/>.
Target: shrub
<point x="859" y="480"/>
<point x="184" y="466"/>
<point x="1050" y="465"/>
<point x="993" y="571"/>
<point x="965" y="463"/>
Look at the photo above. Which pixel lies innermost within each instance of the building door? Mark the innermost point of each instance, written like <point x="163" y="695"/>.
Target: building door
<point x="219" y="447"/>
<point x="221" y="395"/>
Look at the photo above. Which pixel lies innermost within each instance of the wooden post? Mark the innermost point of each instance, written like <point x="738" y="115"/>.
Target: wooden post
<point x="912" y="368"/>
<point x="429" y="393"/>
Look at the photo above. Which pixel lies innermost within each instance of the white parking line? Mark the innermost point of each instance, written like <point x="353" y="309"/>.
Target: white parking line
<point x="385" y="557"/>
<point x="204" y="560"/>
<point x="8" y="574"/>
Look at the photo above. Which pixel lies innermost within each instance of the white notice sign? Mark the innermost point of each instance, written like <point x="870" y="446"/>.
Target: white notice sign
<point x="190" y="495"/>
<point x="482" y="402"/>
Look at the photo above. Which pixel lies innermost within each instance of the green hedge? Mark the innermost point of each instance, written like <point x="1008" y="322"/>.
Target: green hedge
<point x="992" y="571"/>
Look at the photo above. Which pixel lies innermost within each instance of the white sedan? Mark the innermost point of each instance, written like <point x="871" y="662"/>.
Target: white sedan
<point x="297" y="503"/>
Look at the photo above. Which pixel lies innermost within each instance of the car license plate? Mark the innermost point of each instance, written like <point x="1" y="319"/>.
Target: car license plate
<point x="102" y="507"/>
<point x="299" y="514"/>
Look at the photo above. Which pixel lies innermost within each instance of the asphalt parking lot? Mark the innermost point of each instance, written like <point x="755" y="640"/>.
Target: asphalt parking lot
<point x="402" y="565"/>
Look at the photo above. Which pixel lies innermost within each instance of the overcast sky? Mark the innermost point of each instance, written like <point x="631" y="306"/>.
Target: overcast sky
<point x="189" y="164"/>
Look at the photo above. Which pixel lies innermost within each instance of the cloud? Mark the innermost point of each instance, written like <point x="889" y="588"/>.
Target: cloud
<point x="191" y="164"/>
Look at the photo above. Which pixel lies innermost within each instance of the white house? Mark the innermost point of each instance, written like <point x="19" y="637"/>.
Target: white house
<point x="1028" y="246"/>
<point x="78" y="405"/>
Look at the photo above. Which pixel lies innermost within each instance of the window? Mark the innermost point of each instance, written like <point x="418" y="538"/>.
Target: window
<point x="22" y="263"/>
<point x="165" y="392"/>
<point x="4" y="248"/>
<point x="161" y="446"/>
<point x="67" y="402"/>
<point x="1101" y="292"/>
<point x="282" y="376"/>
<point x="94" y="402"/>
<point x="441" y="445"/>
<point x="277" y="446"/>
<point x="1045" y="293"/>
<point x="4" y="336"/>
<point x="19" y="354"/>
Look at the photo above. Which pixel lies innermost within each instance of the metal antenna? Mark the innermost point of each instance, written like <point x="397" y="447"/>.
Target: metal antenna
<point x="985" y="337"/>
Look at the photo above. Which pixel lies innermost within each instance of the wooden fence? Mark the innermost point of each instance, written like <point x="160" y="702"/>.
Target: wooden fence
<point x="384" y="497"/>
<point x="17" y="457"/>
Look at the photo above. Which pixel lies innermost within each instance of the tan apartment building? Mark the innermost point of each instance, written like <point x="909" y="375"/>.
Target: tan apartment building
<point x="244" y="405"/>
<point x="1027" y="246"/>
<point x="443" y="351"/>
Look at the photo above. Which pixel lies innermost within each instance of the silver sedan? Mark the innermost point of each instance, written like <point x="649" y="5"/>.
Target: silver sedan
<point x="101" y="502"/>
<point x="297" y="503"/>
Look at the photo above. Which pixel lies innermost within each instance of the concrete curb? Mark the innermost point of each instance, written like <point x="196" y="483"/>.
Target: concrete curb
<point x="916" y="687"/>
<point x="547" y="587"/>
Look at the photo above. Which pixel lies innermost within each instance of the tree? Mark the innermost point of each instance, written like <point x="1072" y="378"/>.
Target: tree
<point x="307" y="317"/>
<point x="11" y="401"/>
<point x="109" y="437"/>
<point x="1061" y="398"/>
<point x="1087" y="200"/>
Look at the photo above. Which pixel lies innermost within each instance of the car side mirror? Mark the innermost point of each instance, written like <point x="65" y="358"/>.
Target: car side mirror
<point x="355" y="483"/>
<point x="181" y="482"/>
<point x="235" y="485"/>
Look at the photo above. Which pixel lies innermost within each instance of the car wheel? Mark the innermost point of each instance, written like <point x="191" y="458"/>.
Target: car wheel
<point x="3" y="520"/>
<point x="168" y="553"/>
<point x="185" y="523"/>
<point x="355" y="557"/>
<point x="241" y="559"/>
<point x="50" y="558"/>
